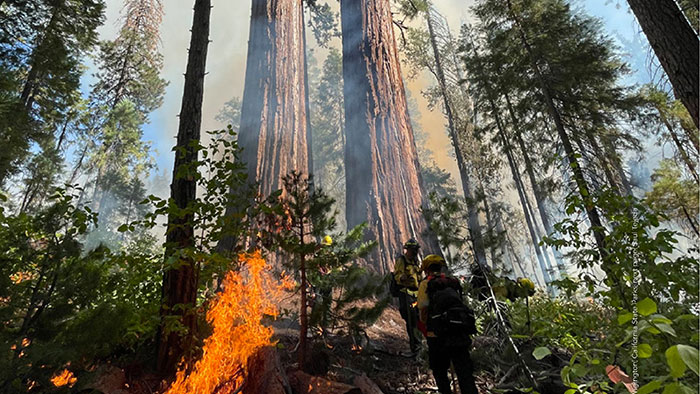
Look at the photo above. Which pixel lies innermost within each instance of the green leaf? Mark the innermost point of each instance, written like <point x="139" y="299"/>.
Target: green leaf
<point x="685" y="389"/>
<point x="646" y="307"/>
<point x="644" y="350"/>
<point x="666" y="328"/>
<point x="123" y="228"/>
<point x="565" y="376"/>
<point x="649" y="387"/>
<point x="672" y="388"/>
<point x="675" y="362"/>
<point x="579" y="370"/>
<point x="685" y="317"/>
<point x="541" y="352"/>
<point x="656" y="318"/>
<point x="570" y="391"/>
<point x="689" y="355"/>
<point x="624" y="318"/>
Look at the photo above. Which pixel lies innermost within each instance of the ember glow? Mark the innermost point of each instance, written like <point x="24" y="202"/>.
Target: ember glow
<point x="64" y="378"/>
<point x="236" y="317"/>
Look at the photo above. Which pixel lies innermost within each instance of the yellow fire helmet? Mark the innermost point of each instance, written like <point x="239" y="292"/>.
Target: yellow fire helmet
<point x="526" y="283"/>
<point x="430" y="260"/>
<point x="327" y="241"/>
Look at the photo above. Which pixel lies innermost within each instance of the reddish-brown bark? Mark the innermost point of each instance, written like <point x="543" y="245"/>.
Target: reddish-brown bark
<point x="273" y="131"/>
<point x="384" y="186"/>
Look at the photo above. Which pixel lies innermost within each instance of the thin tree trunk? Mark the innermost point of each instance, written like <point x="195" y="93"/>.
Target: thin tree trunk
<point x="603" y="159"/>
<point x="180" y="284"/>
<point x="303" y="317"/>
<point x="490" y="226"/>
<point x="616" y="163"/>
<point x="472" y="207"/>
<point x="539" y="195"/>
<point x="519" y="262"/>
<point x="521" y="192"/>
<point x="676" y="46"/>
<point x="384" y="185"/>
<point x="681" y="150"/>
<point x="692" y="222"/>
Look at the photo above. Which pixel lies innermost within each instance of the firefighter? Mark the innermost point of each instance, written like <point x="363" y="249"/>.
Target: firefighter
<point x="406" y="274"/>
<point x="447" y="324"/>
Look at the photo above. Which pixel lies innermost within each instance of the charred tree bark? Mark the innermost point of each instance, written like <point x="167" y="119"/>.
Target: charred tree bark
<point x="384" y="185"/>
<point x="180" y="284"/>
<point x="274" y="126"/>
<point x="676" y="46"/>
<point x="472" y="210"/>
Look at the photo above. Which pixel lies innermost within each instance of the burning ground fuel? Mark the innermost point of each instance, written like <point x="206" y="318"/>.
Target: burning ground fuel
<point x="238" y="332"/>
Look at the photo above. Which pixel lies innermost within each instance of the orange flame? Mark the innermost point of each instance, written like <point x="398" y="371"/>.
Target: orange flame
<point x="238" y="331"/>
<point x="64" y="378"/>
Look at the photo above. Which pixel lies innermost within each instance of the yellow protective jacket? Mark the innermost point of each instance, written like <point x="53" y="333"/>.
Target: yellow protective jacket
<point x="422" y="302"/>
<point x="406" y="273"/>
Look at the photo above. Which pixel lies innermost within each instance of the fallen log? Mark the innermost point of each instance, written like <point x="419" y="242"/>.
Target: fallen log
<point x="265" y="373"/>
<point x="303" y="383"/>
<point x="366" y="385"/>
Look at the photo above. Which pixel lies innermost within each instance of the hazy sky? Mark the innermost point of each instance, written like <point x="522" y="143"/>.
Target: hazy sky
<point x="227" y="56"/>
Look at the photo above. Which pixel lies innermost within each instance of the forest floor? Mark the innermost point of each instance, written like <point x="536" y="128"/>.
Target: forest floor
<point x="381" y="354"/>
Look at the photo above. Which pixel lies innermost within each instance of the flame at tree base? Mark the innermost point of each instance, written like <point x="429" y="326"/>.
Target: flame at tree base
<point x="236" y="316"/>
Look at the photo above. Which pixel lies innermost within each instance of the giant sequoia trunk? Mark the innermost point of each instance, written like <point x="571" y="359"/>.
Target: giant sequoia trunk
<point x="384" y="186"/>
<point x="180" y="284"/>
<point x="675" y="44"/>
<point x="274" y="124"/>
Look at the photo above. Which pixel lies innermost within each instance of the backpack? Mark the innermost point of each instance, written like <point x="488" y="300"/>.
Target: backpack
<point x="394" y="288"/>
<point x="448" y="316"/>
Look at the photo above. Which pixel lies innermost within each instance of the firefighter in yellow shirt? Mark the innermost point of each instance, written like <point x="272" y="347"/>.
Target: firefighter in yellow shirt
<point x="406" y="274"/>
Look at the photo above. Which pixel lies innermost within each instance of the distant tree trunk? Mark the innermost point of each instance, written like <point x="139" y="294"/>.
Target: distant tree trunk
<point x="309" y="134"/>
<point x="539" y="195"/>
<point x="384" y="185"/>
<point x="472" y="208"/>
<point x="676" y="46"/>
<point x="521" y="190"/>
<point x="613" y="158"/>
<point x="180" y="284"/>
<point x="274" y="122"/>
<point x="577" y="171"/>
<point x="524" y="272"/>
<point x="681" y="149"/>
<point x="602" y="157"/>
